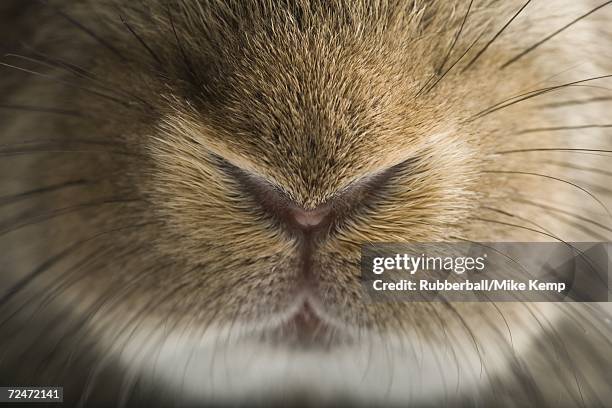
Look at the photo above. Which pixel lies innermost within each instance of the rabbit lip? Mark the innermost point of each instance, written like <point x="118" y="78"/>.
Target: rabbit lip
<point x="306" y="322"/>
<point x="306" y="328"/>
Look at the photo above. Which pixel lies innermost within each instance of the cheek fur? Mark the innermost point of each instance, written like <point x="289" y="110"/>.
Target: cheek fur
<point x="198" y="178"/>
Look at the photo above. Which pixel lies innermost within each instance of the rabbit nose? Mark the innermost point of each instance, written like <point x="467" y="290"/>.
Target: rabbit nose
<point x="309" y="218"/>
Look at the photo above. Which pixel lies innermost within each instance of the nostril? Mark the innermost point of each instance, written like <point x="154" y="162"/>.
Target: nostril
<point x="277" y="203"/>
<point x="309" y="218"/>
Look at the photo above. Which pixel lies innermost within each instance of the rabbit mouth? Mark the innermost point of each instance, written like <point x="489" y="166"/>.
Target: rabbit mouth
<point x="305" y="328"/>
<point x="308" y="327"/>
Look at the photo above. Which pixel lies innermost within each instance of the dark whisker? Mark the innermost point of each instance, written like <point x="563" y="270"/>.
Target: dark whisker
<point x="452" y="47"/>
<point x="131" y="325"/>
<point x="23" y="220"/>
<point x="59" y="142"/>
<point x="564" y="216"/>
<point x="558" y="128"/>
<point x="449" y="52"/>
<point x="54" y="290"/>
<point x="68" y="83"/>
<point x="69" y="66"/>
<point x="561" y="211"/>
<point x="536" y="45"/>
<point x="45" y="151"/>
<point x="50" y="262"/>
<point x="453" y="65"/>
<point x="44" y="300"/>
<point x="141" y="41"/>
<point x="525" y="173"/>
<point x="511" y="215"/>
<point x="520" y="98"/>
<point x="581" y="227"/>
<point x="51" y="63"/>
<point x="468" y="329"/>
<point x="495" y="36"/>
<point x="62" y="146"/>
<point x="86" y="30"/>
<point x="576" y="102"/>
<point x="518" y="217"/>
<point x="599" y="188"/>
<point x="492" y="248"/>
<point x="553" y="149"/>
<point x="179" y="44"/>
<point x="9" y="199"/>
<point x="577" y="167"/>
<point x="581" y="253"/>
<point x="41" y="109"/>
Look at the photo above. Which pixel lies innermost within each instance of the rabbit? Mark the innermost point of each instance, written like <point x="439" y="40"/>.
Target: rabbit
<point x="187" y="185"/>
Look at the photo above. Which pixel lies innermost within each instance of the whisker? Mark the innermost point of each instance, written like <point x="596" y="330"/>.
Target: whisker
<point x="54" y="64"/>
<point x="576" y="102"/>
<point x="536" y="45"/>
<point x="109" y="298"/>
<point x="19" y="222"/>
<point x="468" y="329"/>
<point x="496" y="36"/>
<point x="50" y="262"/>
<point x="46" y="294"/>
<point x="63" y="146"/>
<point x="599" y="188"/>
<point x="450" y="50"/>
<point x="42" y="109"/>
<point x="456" y="39"/>
<point x="558" y="128"/>
<point x="86" y="30"/>
<point x="112" y="294"/>
<point x="525" y="173"/>
<point x="9" y="199"/>
<point x="577" y="167"/>
<point x="65" y="281"/>
<point x="452" y="65"/>
<point x="579" y="226"/>
<point x="15" y="153"/>
<point x="518" y="217"/>
<point x="528" y="95"/>
<point x="505" y="255"/>
<point x="554" y="149"/>
<point x="52" y="141"/>
<point x="69" y="66"/>
<point x="68" y="83"/>
<point x="508" y="214"/>
<point x="581" y="253"/>
<point x="186" y="60"/>
<point x="132" y="324"/>
<point x="141" y="41"/>
<point x="559" y="210"/>
<point x="49" y="62"/>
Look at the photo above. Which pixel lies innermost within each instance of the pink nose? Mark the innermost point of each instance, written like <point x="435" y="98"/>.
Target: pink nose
<point x="309" y="218"/>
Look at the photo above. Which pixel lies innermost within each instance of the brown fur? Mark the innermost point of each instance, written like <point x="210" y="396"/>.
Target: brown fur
<point x="310" y="98"/>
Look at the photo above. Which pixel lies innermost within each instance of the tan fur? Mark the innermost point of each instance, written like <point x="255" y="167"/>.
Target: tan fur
<point x="312" y="98"/>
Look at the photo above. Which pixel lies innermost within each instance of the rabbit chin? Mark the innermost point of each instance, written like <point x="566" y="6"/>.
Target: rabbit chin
<point x="230" y="365"/>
